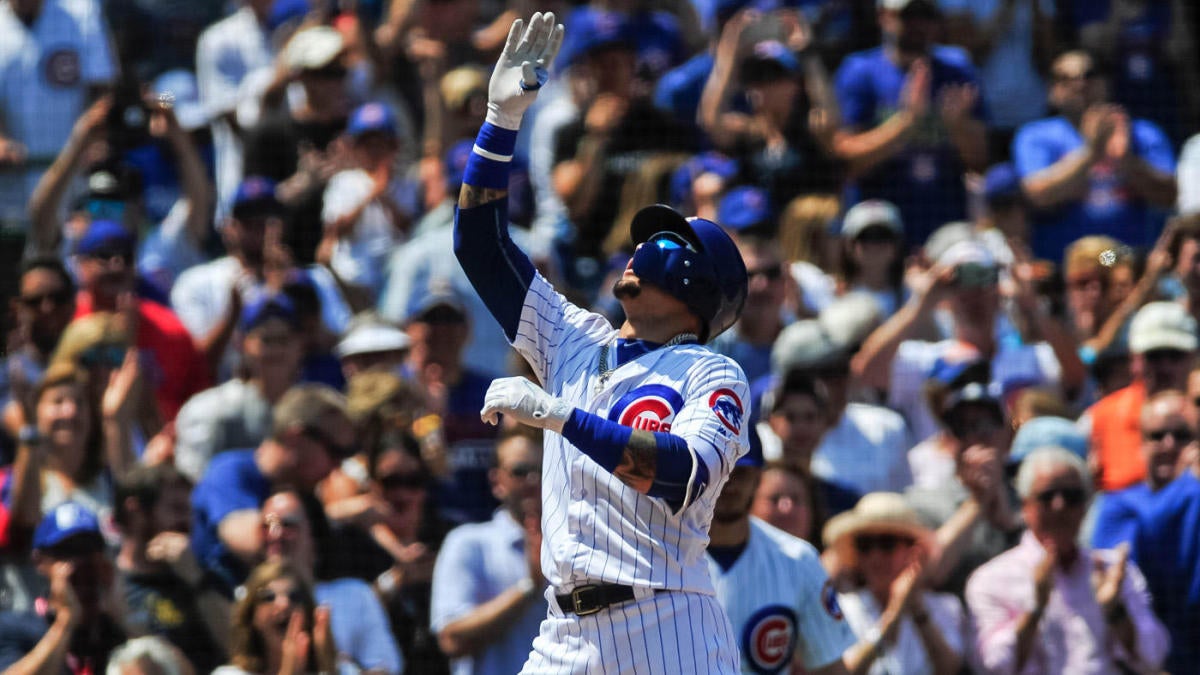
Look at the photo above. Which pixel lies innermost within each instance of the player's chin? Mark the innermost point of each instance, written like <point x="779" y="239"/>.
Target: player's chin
<point x="627" y="287"/>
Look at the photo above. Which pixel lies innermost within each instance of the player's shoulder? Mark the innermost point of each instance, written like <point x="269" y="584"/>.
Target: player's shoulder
<point x="708" y="364"/>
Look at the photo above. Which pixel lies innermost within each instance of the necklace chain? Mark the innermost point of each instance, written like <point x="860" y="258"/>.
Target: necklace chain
<point x="606" y="370"/>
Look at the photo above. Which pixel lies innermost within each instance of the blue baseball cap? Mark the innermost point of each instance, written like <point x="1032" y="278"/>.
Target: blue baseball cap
<point x="1001" y="183"/>
<point x="67" y="521"/>
<point x="255" y="195"/>
<point x="689" y="171"/>
<point x="745" y="208"/>
<point x="1041" y="432"/>
<point x="753" y="457"/>
<point x="456" y="163"/>
<point x="589" y="30"/>
<point x="372" y="117"/>
<point x="265" y="308"/>
<point x="104" y="235"/>
<point x="769" y="60"/>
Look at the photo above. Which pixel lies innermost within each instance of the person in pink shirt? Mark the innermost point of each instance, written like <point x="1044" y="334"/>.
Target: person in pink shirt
<point x="1049" y="605"/>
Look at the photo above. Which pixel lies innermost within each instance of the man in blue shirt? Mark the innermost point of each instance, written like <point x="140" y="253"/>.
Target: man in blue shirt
<point x="1091" y="169"/>
<point x="488" y="583"/>
<point x="912" y="119"/>
<point x="310" y="435"/>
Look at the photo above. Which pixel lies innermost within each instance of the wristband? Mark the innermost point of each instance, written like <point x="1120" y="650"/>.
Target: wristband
<point x="490" y="159"/>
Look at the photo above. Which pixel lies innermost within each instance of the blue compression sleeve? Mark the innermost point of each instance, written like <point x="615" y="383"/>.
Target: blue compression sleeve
<point x="605" y="441"/>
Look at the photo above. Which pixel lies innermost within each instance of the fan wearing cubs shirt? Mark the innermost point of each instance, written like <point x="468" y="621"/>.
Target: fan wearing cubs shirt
<point x="643" y="423"/>
<point x="779" y="599"/>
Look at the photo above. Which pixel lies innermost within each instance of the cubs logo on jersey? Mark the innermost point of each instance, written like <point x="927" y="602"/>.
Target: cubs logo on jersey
<point x="829" y="601"/>
<point x="769" y="639"/>
<point x="728" y="408"/>
<point x="651" y="407"/>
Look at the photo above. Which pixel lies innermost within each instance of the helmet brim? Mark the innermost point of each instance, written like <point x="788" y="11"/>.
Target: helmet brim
<point x="661" y="218"/>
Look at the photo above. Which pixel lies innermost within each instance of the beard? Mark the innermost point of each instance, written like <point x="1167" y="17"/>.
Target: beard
<point x="626" y="289"/>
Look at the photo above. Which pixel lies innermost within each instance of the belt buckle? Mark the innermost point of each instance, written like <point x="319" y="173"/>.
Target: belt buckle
<point x="580" y="597"/>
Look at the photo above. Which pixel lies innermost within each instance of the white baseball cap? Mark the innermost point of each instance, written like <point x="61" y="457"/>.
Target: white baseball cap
<point x="372" y="338"/>
<point x="1162" y="325"/>
<point x="313" y="48"/>
<point x="869" y="213"/>
<point x="967" y="252"/>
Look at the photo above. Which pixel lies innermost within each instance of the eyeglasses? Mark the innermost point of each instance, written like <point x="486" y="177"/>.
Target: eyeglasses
<point x="1071" y="496"/>
<point x="402" y="481"/>
<point x="1181" y="435"/>
<point x="669" y="241"/>
<point x="524" y="470"/>
<point x="325" y="440"/>
<point x="269" y="595"/>
<point x="770" y="272"/>
<point x="1160" y="355"/>
<point x="111" y="356"/>
<point x="57" y="298"/>
<point x="886" y="543"/>
<point x="109" y="254"/>
<point x="876" y="234"/>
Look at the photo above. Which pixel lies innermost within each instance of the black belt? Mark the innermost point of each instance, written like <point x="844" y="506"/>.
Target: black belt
<point x="592" y="598"/>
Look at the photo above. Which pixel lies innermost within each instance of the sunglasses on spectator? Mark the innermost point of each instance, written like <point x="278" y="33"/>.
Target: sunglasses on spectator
<point x="1159" y="355"/>
<point x="110" y="254"/>
<point x="334" y="72"/>
<point x="669" y="241"/>
<point x="325" y="440"/>
<point x="886" y="543"/>
<point x="524" y="470"/>
<point x="111" y="356"/>
<point x="402" y="481"/>
<point x="771" y="272"/>
<point x="1180" y="434"/>
<point x="268" y="595"/>
<point x="877" y="234"/>
<point x="1071" y="496"/>
<point x="57" y="298"/>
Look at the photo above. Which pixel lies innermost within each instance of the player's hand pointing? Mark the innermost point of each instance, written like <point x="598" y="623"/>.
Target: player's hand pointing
<point x="525" y="402"/>
<point x="523" y="68"/>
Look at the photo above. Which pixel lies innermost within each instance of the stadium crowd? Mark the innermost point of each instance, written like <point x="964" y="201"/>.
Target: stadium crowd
<point x="243" y="370"/>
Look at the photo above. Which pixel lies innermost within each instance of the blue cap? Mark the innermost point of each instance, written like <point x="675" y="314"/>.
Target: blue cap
<point x="689" y="171"/>
<point x="1041" y="432"/>
<point x="105" y="234"/>
<point x="590" y="29"/>
<point x="283" y="11"/>
<point x="65" y="521"/>
<point x="772" y="52"/>
<point x="456" y="163"/>
<point x="370" y="117"/>
<point x="1001" y="182"/>
<point x="951" y="367"/>
<point x="254" y="195"/>
<point x="754" y="457"/>
<point x="267" y="307"/>
<point x="745" y="207"/>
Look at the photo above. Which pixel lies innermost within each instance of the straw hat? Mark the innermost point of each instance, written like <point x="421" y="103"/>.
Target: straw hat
<point x="876" y="512"/>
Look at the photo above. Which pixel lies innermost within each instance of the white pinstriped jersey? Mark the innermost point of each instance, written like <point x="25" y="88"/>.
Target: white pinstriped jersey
<point x="595" y="528"/>
<point x="779" y="600"/>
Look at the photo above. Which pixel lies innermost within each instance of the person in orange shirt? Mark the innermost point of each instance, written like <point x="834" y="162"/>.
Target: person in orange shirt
<point x="1162" y="340"/>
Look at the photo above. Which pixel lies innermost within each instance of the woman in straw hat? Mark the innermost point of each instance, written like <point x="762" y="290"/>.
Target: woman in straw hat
<point x="880" y="546"/>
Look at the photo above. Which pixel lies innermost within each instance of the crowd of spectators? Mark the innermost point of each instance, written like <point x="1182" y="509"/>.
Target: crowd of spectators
<point x="243" y="370"/>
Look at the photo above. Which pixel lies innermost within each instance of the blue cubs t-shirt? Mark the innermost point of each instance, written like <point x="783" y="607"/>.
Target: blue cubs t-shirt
<point x="1109" y="207"/>
<point x="925" y="179"/>
<point x="232" y="483"/>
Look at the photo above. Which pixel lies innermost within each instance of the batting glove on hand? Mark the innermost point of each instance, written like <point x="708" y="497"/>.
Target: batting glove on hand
<point x="523" y="68"/>
<point x="526" y="402"/>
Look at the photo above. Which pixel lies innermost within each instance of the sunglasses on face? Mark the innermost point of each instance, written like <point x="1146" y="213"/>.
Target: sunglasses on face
<point x="885" y="543"/>
<point x="875" y="235"/>
<point x="1182" y="435"/>
<point x="268" y="595"/>
<point x="335" y="72"/>
<point x="1072" y="496"/>
<point x="111" y="356"/>
<point x="403" y="481"/>
<point x="669" y="241"/>
<point x="770" y="272"/>
<point x="326" y="441"/>
<point x="1163" y="355"/>
<point x="57" y="298"/>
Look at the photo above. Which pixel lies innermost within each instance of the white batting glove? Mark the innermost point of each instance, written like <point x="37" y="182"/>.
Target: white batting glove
<point x="526" y="402"/>
<point x="522" y="69"/>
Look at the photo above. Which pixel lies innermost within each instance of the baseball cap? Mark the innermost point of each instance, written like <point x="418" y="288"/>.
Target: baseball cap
<point x="745" y="208"/>
<point x="1001" y="183"/>
<point x="372" y="338"/>
<point x="804" y="346"/>
<point x="460" y="84"/>
<point x="689" y="171"/>
<point x="268" y="307"/>
<point x="67" y="521"/>
<point x="960" y="363"/>
<point x="970" y="251"/>
<point x="946" y="236"/>
<point x="1041" y="432"/>
<point x="255" y="195"/>
<point x="104" y="235"/>
<point x="849" y="319"/>
<point x="872" y="212"/>
<point x="753" y="457"/>
<point x="184" y="92"/>
<point x="440" y="293"/>
<point x="767" y="61"/>
<point x="590" y="29"/>
<point x="1162" y="325"/>
<point x="371" y="117"/>
<point x="313" y="48"/>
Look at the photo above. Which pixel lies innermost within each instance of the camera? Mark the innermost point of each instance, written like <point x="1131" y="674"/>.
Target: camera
<point x="129" y="119"/>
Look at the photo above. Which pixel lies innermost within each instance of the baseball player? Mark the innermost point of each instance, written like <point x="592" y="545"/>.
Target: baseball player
<point x="643" y="424"/>
<point x="778" y="597"/>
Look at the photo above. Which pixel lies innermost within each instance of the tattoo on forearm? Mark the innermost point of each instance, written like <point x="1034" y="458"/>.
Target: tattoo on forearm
<point x="637" y="467"/>
<point x="472" y="196"/>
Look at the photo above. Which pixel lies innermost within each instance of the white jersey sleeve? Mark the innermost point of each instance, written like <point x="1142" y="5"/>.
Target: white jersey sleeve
<point x="552" y="327"/>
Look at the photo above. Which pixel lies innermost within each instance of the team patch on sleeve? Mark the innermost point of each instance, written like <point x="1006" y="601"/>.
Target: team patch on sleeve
<point x="651" y="407"/>
<point x="769" y="638"/>
<point x="728" y="408"/>
<point x="830" y="602"/>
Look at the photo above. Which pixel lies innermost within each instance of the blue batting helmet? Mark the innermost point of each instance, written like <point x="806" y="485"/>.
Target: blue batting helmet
<point x="708" y="275"/>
